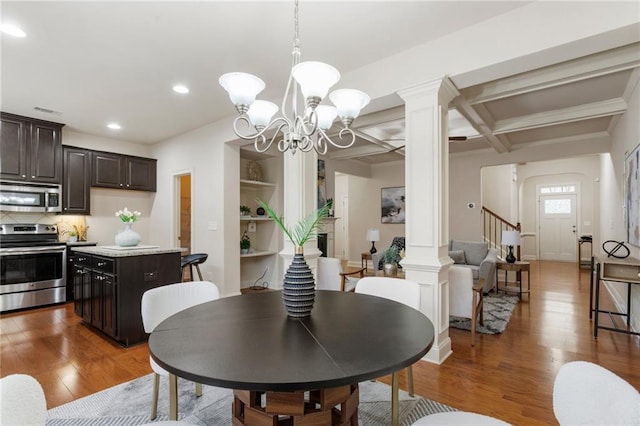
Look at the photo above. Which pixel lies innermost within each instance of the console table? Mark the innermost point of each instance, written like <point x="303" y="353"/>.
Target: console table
<point x="616" y="270"/>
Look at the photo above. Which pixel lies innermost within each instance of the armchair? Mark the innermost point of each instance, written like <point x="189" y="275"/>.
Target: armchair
<point x="331" y="277"/>
<point x="478" y="257"/>
<point x="465" y="297"/>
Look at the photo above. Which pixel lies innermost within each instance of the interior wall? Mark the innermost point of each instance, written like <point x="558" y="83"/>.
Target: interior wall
<point x="341" y="197"/>
<point x="625" y="137"/>
<point x="497" y="191"/>
<point x="365" y="208"/>
<point x="215" y="174"/>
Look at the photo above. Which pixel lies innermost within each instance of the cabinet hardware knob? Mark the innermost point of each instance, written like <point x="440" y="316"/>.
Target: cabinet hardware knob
<point x="24" y="175"/>
<point x="33" y="177"/>
<point x="120" y="184"/>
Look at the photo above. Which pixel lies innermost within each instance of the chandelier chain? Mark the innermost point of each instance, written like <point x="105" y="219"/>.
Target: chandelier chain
<point x="296" y="23"/>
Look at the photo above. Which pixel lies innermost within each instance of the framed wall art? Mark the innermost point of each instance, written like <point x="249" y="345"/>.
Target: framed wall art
<point x="322" y="184"/>
<point x="392" y="202"/>
<point x="632" y="195"/>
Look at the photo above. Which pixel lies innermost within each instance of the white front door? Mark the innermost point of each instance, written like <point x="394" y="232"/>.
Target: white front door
<point x="557" y="227"/>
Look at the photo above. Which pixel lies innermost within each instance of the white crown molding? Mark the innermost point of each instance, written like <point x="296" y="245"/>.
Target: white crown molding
<point x="560" y="116"/>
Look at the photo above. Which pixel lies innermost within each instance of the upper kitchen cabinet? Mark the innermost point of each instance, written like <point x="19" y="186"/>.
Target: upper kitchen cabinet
<point x="123" y="172"/>
<point x="76" y="181"/>
<point x="31" y="149"/>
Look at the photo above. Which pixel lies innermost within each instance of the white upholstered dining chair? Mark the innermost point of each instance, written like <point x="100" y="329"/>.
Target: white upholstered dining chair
<point x="585" y="393"/>
<point x="160" y="303"/>
<point x="22" y="401"/>
<point x="331" y="276"/>
<point x="401" y="291"/>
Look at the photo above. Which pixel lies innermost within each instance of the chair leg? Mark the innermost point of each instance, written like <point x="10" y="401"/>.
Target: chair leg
<point x="394" y="399"/>
<point x="154" y="400"/>
<point x="173" y="397"/>
<point x="410" y="379"/>
<point x="474" y="316"/>
<point x="199" y="273"/>
<point x="198" y="389"/>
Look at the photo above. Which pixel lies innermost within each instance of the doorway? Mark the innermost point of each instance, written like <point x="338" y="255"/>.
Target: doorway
<point x="557" y="221"/>
<point x="183" y="209"/>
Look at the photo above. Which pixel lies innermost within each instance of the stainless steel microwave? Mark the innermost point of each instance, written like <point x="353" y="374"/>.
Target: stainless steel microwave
<point x="30" y="197"/>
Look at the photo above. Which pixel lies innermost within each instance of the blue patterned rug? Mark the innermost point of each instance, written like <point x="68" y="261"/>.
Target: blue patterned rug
<point x="497" y="312"/>
<point x="130" y="403"/>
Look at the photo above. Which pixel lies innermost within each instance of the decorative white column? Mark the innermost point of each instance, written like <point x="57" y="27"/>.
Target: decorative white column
<point x="427" y="204"/>
<point x="300" y="199"/>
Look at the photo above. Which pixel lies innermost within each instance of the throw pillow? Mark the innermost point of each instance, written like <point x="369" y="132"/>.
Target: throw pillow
<point x="458" y="257"/>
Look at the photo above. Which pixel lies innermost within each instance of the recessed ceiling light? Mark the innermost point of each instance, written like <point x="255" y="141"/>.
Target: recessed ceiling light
<point x="12" y="30"/>
<point x="114" y="126"/>
<point x="179" y="88"/>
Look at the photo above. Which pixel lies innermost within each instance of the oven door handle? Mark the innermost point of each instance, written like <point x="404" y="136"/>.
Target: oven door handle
<point x="32" y="250"/>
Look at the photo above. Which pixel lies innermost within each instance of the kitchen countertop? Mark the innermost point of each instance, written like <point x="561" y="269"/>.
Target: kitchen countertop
<point x="115" y="251"/>
<point x="81" y="243"/>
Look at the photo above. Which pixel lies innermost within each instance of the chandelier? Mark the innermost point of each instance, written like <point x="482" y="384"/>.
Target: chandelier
<point x="304" y="131"/>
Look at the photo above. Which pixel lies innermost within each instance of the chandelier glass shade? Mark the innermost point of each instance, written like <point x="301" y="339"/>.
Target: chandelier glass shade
<point x="294" y="131"/>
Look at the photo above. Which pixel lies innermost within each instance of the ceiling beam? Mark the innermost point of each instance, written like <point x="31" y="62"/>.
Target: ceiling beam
<point x="560" y="116"/>
<point x="599" y="64"/>
<point x="499" y="143"/>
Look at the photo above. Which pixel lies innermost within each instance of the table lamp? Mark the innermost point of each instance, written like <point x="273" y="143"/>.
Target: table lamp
<point x="510" y="238"/>
<point x="373" y="235"/>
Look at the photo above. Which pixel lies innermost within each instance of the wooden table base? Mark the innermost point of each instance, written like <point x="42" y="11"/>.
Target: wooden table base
<point x="314" y="408"/>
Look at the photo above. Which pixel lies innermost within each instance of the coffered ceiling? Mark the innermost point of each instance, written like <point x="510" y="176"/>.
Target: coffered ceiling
<point x="567" y="101"/>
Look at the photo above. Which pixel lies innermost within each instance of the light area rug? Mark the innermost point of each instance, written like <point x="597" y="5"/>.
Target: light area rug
<point x="497" y="312"/>
<point x="130" y="403"/>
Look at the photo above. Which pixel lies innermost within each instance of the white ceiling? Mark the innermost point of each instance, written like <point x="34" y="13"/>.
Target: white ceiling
<point x="97" y="62"/>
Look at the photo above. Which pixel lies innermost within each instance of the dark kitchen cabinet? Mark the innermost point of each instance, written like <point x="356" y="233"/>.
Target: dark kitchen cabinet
<point x="30" y="149"/>
<point x="76" y="187"/>
<point x="111" y="170"/>
<point x="116" y="286"/>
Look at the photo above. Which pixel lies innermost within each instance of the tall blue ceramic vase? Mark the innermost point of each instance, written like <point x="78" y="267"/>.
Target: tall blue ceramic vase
<point x="298" y="292"/>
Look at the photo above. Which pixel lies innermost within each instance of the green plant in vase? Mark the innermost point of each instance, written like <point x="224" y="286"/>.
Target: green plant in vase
<point x="302" y="231"/>
<point x="390" y="268"/>
<point x="245" y="243"/>
<point x="298" y="289"/>
<point x="245" y="211"/>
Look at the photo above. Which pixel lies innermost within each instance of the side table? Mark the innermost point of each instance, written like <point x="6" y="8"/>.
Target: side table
<point x="366" y="256"/>
<point x="519" y="267"/>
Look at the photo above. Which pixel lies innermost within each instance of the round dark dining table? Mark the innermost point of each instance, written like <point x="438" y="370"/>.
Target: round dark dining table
<point x="249" y="343"/>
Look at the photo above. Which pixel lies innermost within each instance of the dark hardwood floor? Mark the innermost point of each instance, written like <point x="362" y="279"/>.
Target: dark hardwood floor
<point x="509" y="375"/>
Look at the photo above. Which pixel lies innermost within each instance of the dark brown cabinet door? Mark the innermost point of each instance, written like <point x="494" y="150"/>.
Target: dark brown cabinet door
<point x="45" y="153"/>
<point x="13" y="148"/>
<point x="109" y="304"/>
<point x="85" y="295"/>
<point x="76" y="181"/>
<point x="141" y="174"/>
<point x="31" y="149"/>
<point x="107" y="170"/>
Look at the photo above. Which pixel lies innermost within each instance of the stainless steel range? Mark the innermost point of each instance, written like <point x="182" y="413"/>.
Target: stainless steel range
<point x="33" y="266"/>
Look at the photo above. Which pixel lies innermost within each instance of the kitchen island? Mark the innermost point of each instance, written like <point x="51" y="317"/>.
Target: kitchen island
<point x="109" y="282"/>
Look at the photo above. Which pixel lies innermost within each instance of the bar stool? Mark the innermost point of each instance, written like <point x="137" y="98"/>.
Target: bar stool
<point x="192" y="260"/>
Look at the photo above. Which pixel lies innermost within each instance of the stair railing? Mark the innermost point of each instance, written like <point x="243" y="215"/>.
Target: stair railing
<point x="493" y="225"/>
